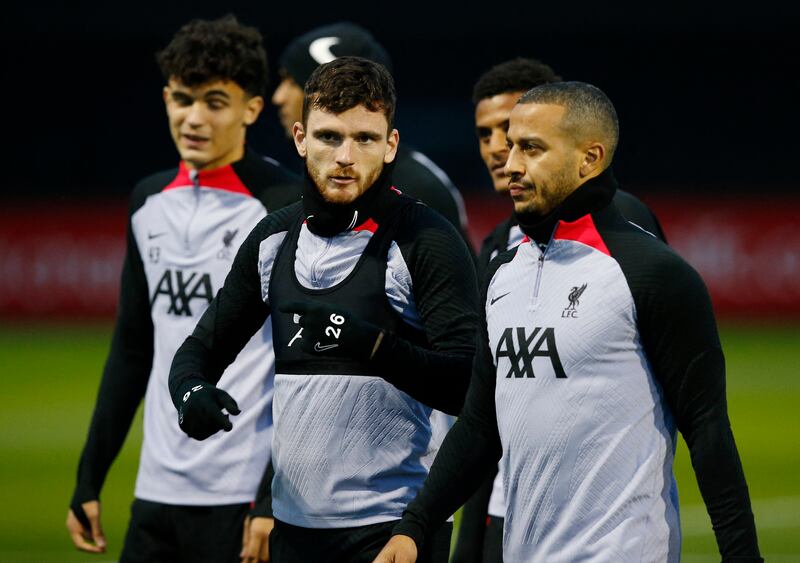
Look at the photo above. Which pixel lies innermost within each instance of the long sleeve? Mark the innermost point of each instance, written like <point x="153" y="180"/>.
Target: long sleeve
<point x="472" y="527"/>
<point x="468" y="454"/>
<point x="679" y="334"/>
<point x="232" y="317"/>
<point x="445" y="292"/>
<point x="124" y="379"/>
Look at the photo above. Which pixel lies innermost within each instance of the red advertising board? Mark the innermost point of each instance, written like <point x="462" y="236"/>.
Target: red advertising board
<point x="64" y="261"/>
<point x="61" y="261"/>
<point x="747" y="250"/>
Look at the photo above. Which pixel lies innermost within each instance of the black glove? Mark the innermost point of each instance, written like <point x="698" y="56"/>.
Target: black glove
<point x="334" y="332"/>
<point x="200" y="409"/>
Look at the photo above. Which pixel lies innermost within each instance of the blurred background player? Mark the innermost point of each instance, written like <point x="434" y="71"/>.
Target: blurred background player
<point x="185" y="227"/>
<point x="495" y="94"/>
<point x="372" y="299"/>
<point x="414" y="173"/>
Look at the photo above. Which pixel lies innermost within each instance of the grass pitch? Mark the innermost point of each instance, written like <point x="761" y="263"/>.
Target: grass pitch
<point x="50" y="377"/>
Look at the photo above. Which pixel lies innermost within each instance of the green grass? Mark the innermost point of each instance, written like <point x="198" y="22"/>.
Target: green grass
<point x="50" y="378"/>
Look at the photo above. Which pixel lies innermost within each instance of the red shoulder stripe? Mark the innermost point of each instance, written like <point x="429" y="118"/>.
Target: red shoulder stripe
<point x="368" y="225"/>
<point x="222" y="178"/>
<point x="584" y="231"/>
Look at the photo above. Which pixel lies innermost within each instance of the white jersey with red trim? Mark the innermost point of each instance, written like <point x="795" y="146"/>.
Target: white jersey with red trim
<point x="586" y="438"/>
<point x="187" y="235"/>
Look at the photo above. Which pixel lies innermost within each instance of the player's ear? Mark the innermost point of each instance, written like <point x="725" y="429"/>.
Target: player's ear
<point x="391" y="146"/>
<point x="299" y="136"/>
<point x="252" y="110"/>
<point x="165" y="94"/>
<point x="593" y="162"/>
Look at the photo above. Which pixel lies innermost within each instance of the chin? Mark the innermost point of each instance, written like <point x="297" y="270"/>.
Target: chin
<point x="526" y="207"/>
<point x="196" y="159"/>
<point x="338" y="197"/>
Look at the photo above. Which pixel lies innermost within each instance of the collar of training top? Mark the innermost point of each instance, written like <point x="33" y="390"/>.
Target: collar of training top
<point x="592" y="196"/>
<point x="226" y="178"/>
<point x="327" y="219"/>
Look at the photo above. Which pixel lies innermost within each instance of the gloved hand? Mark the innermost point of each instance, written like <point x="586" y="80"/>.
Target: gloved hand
<point x="200" y="412"/>
<point x="334" y="332"/>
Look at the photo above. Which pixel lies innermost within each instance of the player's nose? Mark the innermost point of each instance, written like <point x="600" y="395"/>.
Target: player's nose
<point x="514" y="166"/>
<point x="344" y="154"/>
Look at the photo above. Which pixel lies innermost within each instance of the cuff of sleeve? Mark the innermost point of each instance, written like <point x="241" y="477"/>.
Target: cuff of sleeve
<point x="83" y="493"/>
<point x="261" y="509"/>
<point x="412" y="529"/>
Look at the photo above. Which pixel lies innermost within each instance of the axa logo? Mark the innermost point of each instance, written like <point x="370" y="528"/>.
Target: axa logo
<point x="522" y="348"/>
<point x="181" y="288"/>
<point x="571" y="310"/>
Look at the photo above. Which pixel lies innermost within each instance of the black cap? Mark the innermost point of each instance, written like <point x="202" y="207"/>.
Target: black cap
<point x="323" y="44"/>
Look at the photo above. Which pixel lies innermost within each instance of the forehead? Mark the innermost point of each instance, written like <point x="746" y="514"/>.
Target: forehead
<point x="495" y="110"/>
<point x="357" y="118"/>
<point x="198" y="90"/>
<point x="535" y="119"/>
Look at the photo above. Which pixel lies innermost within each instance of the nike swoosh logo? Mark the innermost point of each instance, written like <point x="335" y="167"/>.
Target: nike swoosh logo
<point x="320" y="348"/>
<point x="151" y="236"/>
<point x="498" y="298"/>
<point x="320" y="49"/>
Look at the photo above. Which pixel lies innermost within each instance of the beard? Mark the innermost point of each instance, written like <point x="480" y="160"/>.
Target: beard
<point x="341" y="195"/>
<point x="549" y="195"/>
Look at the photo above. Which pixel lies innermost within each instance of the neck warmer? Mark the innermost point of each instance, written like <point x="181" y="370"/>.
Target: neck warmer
<point x="327" y="219"/>
<point x="594" y="195"/>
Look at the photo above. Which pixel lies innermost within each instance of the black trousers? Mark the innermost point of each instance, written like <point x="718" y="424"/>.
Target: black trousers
<point x="166" y="533"/>
<point x="293" y="544"/>
<point x="493" y="540"/>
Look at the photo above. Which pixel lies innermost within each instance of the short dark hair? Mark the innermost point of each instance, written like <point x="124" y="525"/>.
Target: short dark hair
<point x="516" y="75"/>
<point x="346" y="82"/>
<point x="587" y="107"/>
<point x="222" y="49"/>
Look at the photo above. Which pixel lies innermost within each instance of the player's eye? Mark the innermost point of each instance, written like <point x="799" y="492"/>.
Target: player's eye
<point x="216" y="104"/>
<point x="328" y="137"/>
<point x="182" y="99"/>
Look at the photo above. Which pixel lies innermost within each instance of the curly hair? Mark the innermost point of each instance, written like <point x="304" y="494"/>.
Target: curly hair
<point x="516" y="75"/>
<point x="346" y="82"/>
<point x="222" y="49"/>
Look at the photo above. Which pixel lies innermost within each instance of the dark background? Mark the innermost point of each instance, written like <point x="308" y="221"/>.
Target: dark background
<point x="707" y="95"/>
